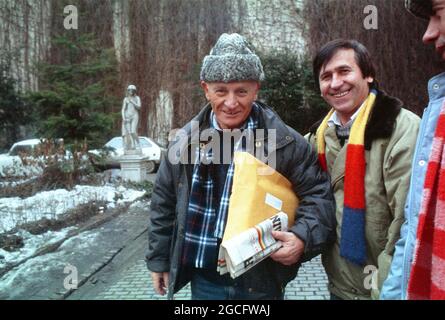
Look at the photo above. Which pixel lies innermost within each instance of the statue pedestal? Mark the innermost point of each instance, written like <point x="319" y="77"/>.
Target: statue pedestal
<point x="134" y="167"/>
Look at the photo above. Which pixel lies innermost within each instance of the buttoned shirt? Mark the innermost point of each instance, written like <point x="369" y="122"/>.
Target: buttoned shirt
<point x="396" y="284"/>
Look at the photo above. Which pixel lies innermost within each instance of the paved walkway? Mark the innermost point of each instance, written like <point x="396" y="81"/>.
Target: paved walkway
<point x="310" y="284"/>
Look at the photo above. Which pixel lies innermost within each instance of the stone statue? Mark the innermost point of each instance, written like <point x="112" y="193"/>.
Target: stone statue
<point x="130" y="119"/>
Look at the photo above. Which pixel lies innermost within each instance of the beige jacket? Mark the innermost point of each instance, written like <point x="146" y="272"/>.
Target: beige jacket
<point x="391" y="136"/>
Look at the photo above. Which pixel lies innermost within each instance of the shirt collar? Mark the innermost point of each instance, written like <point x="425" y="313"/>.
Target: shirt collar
<point x="436" y="87"/>
<point x="334" y="120"/>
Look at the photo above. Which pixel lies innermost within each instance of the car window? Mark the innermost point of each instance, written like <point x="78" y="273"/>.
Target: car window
<point x="21" y="149"/>
<point x="115" y="143"/>
<point x="144" y="143"/>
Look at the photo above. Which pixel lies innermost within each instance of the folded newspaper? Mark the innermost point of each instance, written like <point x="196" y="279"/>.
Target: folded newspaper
<point x="243" y="251"/>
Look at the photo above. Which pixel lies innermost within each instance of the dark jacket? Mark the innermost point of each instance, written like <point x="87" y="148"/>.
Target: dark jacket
<point x="295" y="159"/>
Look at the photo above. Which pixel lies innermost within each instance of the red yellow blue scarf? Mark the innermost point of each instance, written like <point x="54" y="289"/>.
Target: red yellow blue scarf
<point x="352" y="240"/>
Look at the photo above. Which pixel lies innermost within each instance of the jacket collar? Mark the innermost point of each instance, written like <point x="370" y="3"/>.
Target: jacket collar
<point x="381" y="121"/>
<point x="436" y="87"/>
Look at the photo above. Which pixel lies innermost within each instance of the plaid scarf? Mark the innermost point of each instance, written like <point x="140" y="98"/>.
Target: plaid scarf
<point x="352" y="241"/>
<point x="427" y="279"/>
<point x="205" y="219"/>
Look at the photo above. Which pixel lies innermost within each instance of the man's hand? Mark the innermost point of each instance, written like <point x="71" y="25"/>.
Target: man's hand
<point x="291" y="250"/>
<point x="160" y="282"/>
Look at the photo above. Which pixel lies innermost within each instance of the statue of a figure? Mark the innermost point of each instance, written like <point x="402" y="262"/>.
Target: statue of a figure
<point x="130" y="119"/>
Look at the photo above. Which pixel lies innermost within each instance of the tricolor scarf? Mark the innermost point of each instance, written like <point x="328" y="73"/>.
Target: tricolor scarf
<point x="352" y="242"/>
<point x="427" y="279"/>
<point x="205" y="218"/>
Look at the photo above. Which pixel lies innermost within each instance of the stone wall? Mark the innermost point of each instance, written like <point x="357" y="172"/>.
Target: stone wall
<point x="271" y="25"/>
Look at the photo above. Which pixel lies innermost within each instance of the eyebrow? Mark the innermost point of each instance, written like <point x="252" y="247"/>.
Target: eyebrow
<point x="343" y="66"/>
<point x="435" y="3"/>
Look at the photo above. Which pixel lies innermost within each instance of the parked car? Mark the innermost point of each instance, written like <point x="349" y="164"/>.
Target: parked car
<point x="108" y="156"/>
<point x="11" y="163"/>
<point x="24" y="147"/>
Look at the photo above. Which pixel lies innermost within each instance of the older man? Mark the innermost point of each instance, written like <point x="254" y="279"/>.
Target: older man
<point x="418" y="267"/>
<point x="366" y="144"/>
<point x="190" y="200"/>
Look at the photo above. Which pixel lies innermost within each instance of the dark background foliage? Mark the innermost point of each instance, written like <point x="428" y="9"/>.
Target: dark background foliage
<point x="289" y="89"/>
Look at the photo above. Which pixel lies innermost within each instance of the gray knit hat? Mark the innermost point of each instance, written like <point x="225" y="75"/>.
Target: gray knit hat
<point x="231" y="59"/>
<point x="420" y="8"/>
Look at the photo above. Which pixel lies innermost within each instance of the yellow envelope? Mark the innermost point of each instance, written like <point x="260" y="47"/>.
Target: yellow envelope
<point x="258" y="193"/>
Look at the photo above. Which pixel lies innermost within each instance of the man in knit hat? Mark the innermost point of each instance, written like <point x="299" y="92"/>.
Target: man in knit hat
<point x="418" y="267"/>
<point x="190" y="199"/>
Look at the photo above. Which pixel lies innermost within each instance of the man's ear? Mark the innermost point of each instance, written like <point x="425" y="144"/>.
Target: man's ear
<point x="258" y="87"/>
<point x="370" y="80"/>
<point x="205" y="87"/>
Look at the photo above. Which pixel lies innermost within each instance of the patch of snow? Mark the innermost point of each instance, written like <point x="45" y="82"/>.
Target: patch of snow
<point x="13" y="284"/>
<point x="32" y="243"/>
<point x="38" y="277"/>
<point x="12" y="166"/>
<point x="16" y="183"/>
<point x="80" y="242"/>
<point x="140" y="205"/>
<point x="51" y="204"/>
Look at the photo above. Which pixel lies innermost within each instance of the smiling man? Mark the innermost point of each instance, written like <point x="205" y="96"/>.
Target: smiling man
<point x="418" y="268"/>
<point x="366" y="144"/>
<point x="190" y="200"/>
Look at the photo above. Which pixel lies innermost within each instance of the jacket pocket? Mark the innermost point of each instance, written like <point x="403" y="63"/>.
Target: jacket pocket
<point x="377" y="232"/>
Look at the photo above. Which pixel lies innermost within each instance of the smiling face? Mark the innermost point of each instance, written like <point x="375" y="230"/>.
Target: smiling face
<point x="342" y="84"/>
<point x="231" y="102"/>
<point x="435" y="33"/>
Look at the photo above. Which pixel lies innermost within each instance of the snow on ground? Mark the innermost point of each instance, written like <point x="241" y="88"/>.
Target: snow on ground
<point x="50" y="204"/>
<point x="37" y="273"/>
<point x="13" y="166"/>
<point x="40" y="277"/>
<point x="14" y="284"/>
<point x="31" y="244"/>
<point x="17" y="183"/>
<point x="139" y="205"/>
